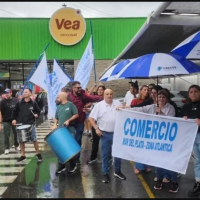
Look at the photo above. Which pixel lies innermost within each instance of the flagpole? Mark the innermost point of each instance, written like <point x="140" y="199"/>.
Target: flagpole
<point x="63" y="70"/>
<point x="34" y="67"/>
<point x="95" y="76"/>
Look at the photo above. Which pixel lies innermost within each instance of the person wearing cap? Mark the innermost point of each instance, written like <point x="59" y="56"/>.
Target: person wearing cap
<point x="6" y="108"/>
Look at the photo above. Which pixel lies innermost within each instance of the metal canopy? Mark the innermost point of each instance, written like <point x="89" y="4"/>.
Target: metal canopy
<point x="164" y="30"/>
<point x="159" y="38"/>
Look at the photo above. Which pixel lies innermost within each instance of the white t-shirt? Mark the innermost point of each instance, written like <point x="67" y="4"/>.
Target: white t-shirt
<point x="105" y="115"/>
<point x="128" y="98"/>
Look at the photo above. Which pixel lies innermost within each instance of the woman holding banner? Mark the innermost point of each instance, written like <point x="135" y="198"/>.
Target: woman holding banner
<point x="164" y="109"/>
<point x="191" y="110"/>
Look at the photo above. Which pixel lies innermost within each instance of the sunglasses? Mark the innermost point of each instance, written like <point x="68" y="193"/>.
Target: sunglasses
<point x="79" y="88"/>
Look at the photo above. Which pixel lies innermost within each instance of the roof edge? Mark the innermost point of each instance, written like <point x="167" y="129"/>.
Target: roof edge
<point x="154" y="15"/>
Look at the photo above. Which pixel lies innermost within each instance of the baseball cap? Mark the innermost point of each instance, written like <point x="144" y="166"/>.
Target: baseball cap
<point x="7" y="90"/>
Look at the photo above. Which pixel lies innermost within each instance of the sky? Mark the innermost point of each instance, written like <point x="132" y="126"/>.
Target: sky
<point x="88" y="9"/>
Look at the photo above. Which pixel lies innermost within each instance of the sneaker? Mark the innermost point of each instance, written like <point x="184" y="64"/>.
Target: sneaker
<point x="17" y="148"/>
<point x="136" y="171"/>
<point x="6" y="152"/>
<point x="195" y="191"/>
<point x="91" y="161"/>
<point x="22" y="158"/>
<point x="39" y="157"/>
<point x="120" y="175"/>
<point x="72" y="169"/>
<point x="61" y="168"/>
<point x="106" y="178"/>
<point x="174" y="187"/>
<point x="158" y="185"/>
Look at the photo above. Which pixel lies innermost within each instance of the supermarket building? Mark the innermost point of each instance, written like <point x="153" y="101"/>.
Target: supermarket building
<point x="22" y="40"/>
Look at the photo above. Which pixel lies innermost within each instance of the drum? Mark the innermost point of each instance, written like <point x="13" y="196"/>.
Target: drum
<point x="63" y="144"/>
<point x="24" y="133"/>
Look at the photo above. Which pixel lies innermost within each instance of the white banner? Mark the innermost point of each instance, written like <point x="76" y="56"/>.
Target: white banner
<point x="159" y="141"/>
<point x="39" y="76"/>
<point x="85" y="65"/>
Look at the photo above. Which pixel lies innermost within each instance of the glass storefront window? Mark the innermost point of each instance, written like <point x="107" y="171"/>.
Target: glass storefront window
<point x="16" y="71"/>
<point x="19" y="72"/>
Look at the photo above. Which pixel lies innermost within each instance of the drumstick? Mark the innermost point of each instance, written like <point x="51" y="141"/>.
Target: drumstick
<point x="18" y="124"/>
<point x="32" y="113"/>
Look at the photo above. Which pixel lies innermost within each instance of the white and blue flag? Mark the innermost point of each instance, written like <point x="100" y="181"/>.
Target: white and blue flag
<point x="190" y="47"/>
<point x="39" y="76"/>
<point x="85" y="65"/>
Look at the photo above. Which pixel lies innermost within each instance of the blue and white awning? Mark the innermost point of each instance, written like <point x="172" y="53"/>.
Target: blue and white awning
<point x="190" y="47"/>
<point x="114" y="70"/>
<point x="158" y="64"/>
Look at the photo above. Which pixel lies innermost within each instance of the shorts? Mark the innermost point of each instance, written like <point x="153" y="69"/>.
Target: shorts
<point x="33" y="134"/>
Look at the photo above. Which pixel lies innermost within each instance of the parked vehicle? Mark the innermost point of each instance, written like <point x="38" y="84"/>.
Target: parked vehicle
<point x="177" y="98"/>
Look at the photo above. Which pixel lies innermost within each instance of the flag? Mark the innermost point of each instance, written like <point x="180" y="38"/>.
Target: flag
<point x="49" y="97"/>
<point x="85" y="65"/>
<point x="59" y="80"/>
<point x="39" y="76"/>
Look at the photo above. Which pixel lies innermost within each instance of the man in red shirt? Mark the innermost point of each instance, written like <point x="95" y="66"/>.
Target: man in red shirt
<point x="80" y="99"/>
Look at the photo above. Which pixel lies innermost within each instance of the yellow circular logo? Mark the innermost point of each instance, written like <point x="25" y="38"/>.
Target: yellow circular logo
<point x="67" y="26"/>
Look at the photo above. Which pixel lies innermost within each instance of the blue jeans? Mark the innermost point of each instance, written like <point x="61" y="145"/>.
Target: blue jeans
<point x="161" y="173"/>
<point x="196" y="150"/>
<point x="78" y="136"/>
<point x="106" y="148"/>
<point x="141" y="166"/>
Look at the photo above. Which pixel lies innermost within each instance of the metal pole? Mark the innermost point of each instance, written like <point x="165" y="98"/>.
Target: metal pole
<point x="32" y="71"/>
<point x="95" y="76"/>
<point x="9" y="85"/>
<point x="23" y="72"/>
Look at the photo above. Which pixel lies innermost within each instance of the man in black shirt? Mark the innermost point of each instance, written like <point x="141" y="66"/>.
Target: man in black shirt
<point x="25" y="112"/>
<point x="6" y="108"/>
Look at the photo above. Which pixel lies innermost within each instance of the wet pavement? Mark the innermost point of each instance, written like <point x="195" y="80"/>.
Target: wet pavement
<point x="33" y="180"/>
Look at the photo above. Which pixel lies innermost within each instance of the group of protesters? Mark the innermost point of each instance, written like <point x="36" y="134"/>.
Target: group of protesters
<point x="96" y="110"/>
<point x="152" y="99"/>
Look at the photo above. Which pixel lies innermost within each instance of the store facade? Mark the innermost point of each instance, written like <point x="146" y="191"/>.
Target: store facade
<point x="23" y="40"/>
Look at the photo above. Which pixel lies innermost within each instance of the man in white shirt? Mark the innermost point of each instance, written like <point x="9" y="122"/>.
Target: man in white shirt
<point x="131" y="94"/>
<point x="104" y="113"/>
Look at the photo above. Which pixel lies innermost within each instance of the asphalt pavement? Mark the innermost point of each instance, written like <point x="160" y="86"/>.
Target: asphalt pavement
<point x="33" y="180"/>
